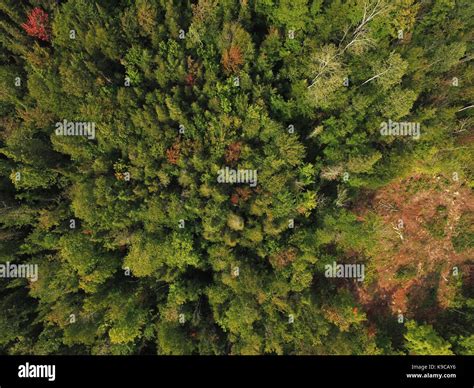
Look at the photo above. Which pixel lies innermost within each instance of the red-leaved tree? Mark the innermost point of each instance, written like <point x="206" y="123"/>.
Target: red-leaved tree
<point x="37" y="24"/>
<point x="173" y="153"/>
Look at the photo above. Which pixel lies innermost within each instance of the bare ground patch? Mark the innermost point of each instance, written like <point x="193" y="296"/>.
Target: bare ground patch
<point x="426" y="228"/>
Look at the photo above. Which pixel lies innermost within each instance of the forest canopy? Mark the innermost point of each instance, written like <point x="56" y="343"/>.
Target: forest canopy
<point x="236" y="177"/>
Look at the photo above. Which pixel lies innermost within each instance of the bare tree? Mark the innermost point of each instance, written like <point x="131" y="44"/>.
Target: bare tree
<point x="359" y="35"/>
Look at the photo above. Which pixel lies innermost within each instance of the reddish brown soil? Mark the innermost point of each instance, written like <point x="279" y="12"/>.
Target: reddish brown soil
<point x="429" y="285"/>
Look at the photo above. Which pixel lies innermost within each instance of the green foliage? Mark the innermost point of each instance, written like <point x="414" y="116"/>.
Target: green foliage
<point x="423" y="340"/>
<point x="135" y="236"/>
